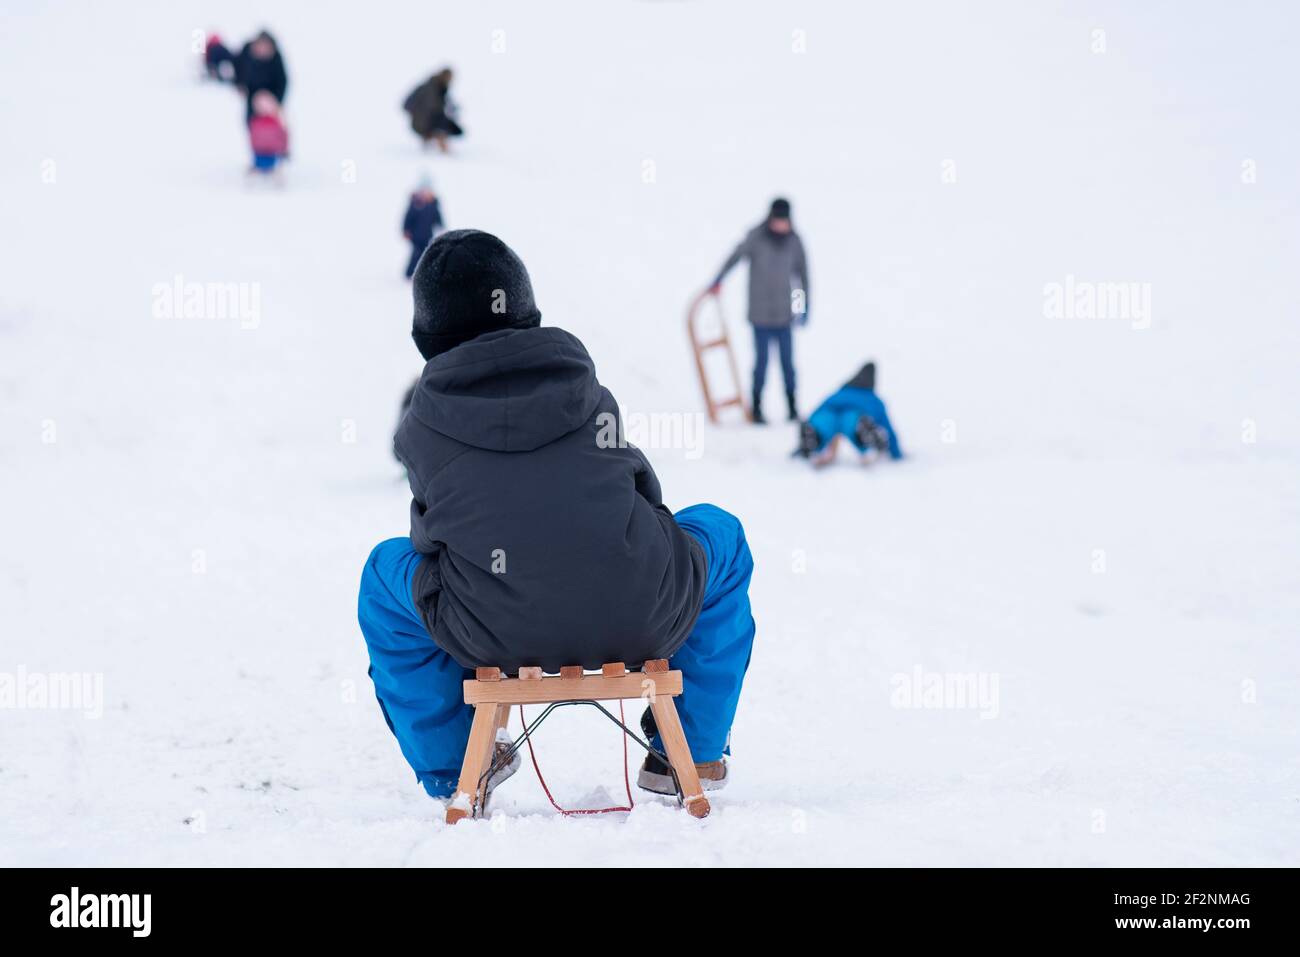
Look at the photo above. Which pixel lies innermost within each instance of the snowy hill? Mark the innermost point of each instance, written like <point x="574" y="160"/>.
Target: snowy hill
<point x="1097" y="522"/>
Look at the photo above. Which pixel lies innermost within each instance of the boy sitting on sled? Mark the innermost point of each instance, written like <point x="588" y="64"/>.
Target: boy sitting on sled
<point x="534" y="542"/>
<point x="855" y="412"/>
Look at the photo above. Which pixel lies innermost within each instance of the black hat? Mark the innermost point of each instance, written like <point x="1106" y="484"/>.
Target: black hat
<point x="865" y="379"/>
<point x="467" y="283"/>
<point x="780" y="209"/>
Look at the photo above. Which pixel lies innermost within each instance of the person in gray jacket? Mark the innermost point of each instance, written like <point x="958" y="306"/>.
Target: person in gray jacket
<point x="778" y="296"/>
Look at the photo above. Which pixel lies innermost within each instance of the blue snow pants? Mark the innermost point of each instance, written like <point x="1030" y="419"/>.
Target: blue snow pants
<point x="419" y="685"/>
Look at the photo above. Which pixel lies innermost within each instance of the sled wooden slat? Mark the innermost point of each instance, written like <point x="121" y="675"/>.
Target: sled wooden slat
<point x="586" y="688"/>
<point x="493" y="694"/>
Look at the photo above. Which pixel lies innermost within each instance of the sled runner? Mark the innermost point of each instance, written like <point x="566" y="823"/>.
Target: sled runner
<point x="493" y="694"/>
<point x="721" y="341"/>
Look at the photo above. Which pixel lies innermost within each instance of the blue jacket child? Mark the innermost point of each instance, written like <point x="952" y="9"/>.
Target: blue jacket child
<point x="854" y="411"/>
<point x="421" y="223"/>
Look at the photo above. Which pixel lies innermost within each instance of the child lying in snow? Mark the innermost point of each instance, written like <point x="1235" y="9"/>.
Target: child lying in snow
<point x="532" y="541"/>
<point x="854" y="411"/>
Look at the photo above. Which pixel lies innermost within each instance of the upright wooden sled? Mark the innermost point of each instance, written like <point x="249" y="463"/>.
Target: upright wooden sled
<point x="700" y="345"/>
<point x="493" y="694"/>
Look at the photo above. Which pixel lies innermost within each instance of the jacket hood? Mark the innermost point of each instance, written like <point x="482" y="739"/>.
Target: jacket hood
<point x="511" y="390"/>
<point x="865" y="378"/>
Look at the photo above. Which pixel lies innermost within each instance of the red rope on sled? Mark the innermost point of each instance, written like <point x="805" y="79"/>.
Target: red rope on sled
<point x="594" y="810"/>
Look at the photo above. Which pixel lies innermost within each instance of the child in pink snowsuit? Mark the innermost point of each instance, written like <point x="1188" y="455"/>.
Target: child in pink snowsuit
<point x="266" y="133"/>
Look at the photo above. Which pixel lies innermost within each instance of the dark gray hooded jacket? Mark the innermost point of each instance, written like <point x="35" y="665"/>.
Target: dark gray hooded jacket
<point x="542" y="547"/>
<point x="777" y="265"/>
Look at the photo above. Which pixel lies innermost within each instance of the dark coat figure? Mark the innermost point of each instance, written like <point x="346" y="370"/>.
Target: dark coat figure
<point x="431" y="110"/>
<point x="538" y="537"/>
<point x="422" y="221"/>
<point x="545" y="537"/>
<point x="259" y="66"/>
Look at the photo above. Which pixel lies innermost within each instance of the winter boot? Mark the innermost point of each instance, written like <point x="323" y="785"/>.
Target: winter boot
<point x="657" y="777"/>
<point x="499" y="749"/>
<point x="869" y="435"/>
<point x="792" y="415"/>
<point x="459" y="805"/>
<point x="757" y="409"/>
<point x="809" y="441"/>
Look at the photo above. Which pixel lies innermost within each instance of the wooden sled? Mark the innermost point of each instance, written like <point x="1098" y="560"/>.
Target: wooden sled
<point x="493" y="694"/>
<point x="699" y="346"/>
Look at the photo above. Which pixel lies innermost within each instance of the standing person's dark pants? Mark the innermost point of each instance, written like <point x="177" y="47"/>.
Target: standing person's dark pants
<point x="763" y="339"/>
<point x="417" y="250"/>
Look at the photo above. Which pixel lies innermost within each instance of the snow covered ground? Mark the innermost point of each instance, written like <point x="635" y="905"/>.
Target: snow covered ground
<point x="1099" y="519"/>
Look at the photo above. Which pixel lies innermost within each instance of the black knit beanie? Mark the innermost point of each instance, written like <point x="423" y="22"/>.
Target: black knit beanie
<point x="467" y="283"/>
<point x="780" y="209"/>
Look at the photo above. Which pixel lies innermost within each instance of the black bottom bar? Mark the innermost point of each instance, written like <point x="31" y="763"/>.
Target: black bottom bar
<point x="242" y="906"/>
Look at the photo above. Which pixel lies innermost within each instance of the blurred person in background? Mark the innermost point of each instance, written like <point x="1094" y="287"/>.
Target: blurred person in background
<point x="422" y="222"/>
<point x="259" y="66"/>
<point x="267" y="135"/>
<point x="778" y="296"/>
<point x="218" y="61"/>
<point x="856" y="413"/>
<point x="432" y="112"/>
